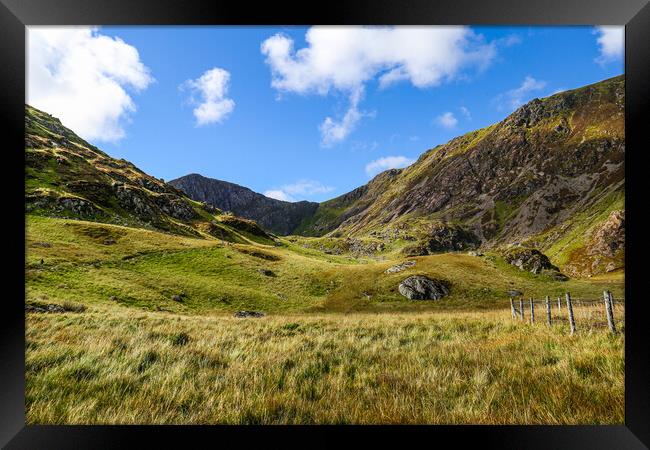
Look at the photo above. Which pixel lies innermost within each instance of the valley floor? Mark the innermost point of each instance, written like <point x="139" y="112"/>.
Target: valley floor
<point x="122" y="366"/>
<point x="339" y="344"/>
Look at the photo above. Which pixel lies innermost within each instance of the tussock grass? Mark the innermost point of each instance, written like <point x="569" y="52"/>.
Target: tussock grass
<point x="119" y="365"/>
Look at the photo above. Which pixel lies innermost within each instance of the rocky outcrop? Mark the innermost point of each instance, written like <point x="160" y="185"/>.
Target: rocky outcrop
<point x="419" y="287"/>
<point x="400" y="267"/>
<point x="276" y="216"/>
<point x="529" y="260"/>
<point x="609" y="238"/>
<point x="443" y="237"/>
<point x="603" y="251"/>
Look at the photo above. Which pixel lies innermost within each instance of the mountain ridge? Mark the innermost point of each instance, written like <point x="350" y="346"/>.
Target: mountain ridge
<point x="277" y="216"/>
<point x="555" y="166"/>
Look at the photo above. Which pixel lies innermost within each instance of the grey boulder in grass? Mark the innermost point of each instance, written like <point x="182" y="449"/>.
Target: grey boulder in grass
<point x="419" y="287"/>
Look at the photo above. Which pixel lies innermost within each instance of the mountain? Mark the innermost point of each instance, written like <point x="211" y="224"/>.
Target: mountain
<point x="67" y="177"/>
<point x="274" y="215"/>
<point x="550" y="175"/>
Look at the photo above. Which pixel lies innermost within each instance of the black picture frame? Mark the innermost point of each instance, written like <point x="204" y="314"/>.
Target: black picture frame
<point x="16" y="14"/>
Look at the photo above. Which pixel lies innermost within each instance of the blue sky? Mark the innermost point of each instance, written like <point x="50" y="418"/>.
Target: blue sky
<point x="312" y="125"/>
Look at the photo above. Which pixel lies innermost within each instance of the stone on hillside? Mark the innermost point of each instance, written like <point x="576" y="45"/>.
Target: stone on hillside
<point x="242" y="314"/>
<point x="266" y="272"/>
<point x="529" y="260"/>
<point x="419" y="287"/>
<point x="177" y="298"/>
<point x="400" y="267"/>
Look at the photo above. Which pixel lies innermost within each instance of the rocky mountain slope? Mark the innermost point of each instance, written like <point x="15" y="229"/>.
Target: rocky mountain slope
<point x="549" y="175"/>
<point x="274" y="215"/>
<point x="67" y="177"/>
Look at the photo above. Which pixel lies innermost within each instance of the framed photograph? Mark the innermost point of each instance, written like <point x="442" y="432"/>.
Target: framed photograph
<point x="287" y="223"/>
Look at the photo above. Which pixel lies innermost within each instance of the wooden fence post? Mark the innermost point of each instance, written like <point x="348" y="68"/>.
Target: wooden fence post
<point x="548" y="311"/>
<point x="569" y="307"/>
<point x="559" y="304"/>
<point x="609" y="309"/>
<point x="512" y="308"/>
<point x="521" y="308"/>
<point x="532" y="311"/>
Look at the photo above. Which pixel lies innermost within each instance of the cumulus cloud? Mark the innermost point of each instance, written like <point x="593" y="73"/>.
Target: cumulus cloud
<point x="82" y="76"/>
<point x="334" y="131"/>
<point x="345" y="59"/>
<point x="209" y="94"/>
<point x="387" y="162"/>
<point x="298" y="190"/>
<point x="514" y="98"/>
<point x="447" y="120"/>
<point x="611" y="43"/>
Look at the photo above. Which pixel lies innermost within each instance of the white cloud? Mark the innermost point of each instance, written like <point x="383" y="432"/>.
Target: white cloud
<point x="278" y="194"/>
<point x="298" y="190"/>
<point x="514" y="98"/>
<point x="447" y="120"/>
<point x="212" y="90"/>
<point x="611" y="43"/>
<point x="465" y="112"/>
<point x="387" y="162"/>
<point x="81" y="76"/>
<point x="510" y="40"/>
<point x="344" y="59"/>
<point x="333" y="131"/>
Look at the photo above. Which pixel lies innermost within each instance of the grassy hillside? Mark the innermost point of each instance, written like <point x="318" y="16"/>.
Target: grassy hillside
<point x="69" y="260"/>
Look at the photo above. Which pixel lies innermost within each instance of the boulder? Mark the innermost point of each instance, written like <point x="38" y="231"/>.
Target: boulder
<point x="419" y="287"/>
<point x="242" y="314"/>
<point x="530" y="260"/>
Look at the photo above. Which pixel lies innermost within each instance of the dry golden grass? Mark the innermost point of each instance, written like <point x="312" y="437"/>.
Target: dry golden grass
<point x="117" y="365"/>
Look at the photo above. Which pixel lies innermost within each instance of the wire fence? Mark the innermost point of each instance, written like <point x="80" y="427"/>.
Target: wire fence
<point x="576" y="314"/>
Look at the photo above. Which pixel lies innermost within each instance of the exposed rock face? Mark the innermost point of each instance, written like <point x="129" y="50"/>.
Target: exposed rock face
<point x="420" y="287"/>
<point x="609" y="238"/>
<point x="529" y="260"/>
<point x="604" y="249"/>
<point x="273" y="215"/>
<point x="529" y="176"/>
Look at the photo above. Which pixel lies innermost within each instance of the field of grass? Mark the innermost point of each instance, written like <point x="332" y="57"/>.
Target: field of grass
<point x="338" y="344"/>
<point x="124" y="366"/>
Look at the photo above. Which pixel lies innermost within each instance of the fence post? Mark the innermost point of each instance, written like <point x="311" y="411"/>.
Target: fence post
<point x="559" y="304"/>
<point x="521" y="308"/>
<point x="532" y="311"/>
<point x="512" y="308"/>
<point x="548" y="311"/>
<point x="569" y="307"/>
<point x="609" y="309"/>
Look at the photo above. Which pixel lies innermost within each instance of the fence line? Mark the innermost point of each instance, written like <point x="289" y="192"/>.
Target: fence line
<point x="581" y="313"/>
